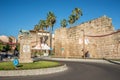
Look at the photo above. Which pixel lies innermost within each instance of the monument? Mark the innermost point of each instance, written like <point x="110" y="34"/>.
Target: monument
<point x="25" y="47"/>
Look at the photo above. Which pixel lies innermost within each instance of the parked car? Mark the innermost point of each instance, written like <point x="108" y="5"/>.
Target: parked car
<point x="0" y="57"/>
<point x="4" y="55"/>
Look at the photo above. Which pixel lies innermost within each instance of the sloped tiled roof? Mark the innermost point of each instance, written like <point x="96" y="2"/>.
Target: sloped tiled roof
<point x="4" y="38"/>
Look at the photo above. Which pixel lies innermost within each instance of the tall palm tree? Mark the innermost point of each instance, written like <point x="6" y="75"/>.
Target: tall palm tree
<point x="71" y="19"/>
<point x="77" y="12"/>
<point x="51" y="20"/>
<point x="42" y="24"/>
<point x="36" y="28"/>
<point x="46" y="25"/>
<point x="63" y="23"/>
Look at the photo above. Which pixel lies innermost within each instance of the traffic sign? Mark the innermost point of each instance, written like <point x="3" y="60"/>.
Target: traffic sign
<point x="15" y="62"/>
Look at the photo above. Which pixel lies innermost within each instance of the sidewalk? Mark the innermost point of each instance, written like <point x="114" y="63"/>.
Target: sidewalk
<point x="82" y="60"/>
<point x="75" y="60"/>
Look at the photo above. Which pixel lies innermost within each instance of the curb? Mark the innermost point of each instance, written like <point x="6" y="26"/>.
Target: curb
<point x="114" y="62"/>
<point x="33" y="71"/>
<point x="78" y="60"/>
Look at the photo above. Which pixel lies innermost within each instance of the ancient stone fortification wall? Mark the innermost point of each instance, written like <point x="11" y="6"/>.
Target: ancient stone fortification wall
<point x="90" y="36"/>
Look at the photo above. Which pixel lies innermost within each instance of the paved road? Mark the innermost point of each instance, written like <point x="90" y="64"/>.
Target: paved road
<point x="79" y="71"/>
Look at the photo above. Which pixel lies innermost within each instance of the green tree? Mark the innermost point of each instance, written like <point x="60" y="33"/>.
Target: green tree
<point x="77" y="12"/>
<point x="63" y="23"/>
<point x="1" y="46"/>
<point x="7" y="47"/>
<point x="46" y="26"/>
<point x="71" y="19"/>
<point x="51" y="20"/>
<point x="18" y="47"/>
<point x="42" y="24"/>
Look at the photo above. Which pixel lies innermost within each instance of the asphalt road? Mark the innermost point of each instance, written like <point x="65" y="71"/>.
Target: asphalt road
<point x="79" y="71"/>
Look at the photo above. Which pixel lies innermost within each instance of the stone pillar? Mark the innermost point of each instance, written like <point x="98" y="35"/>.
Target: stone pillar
<point x="25" y="49"/>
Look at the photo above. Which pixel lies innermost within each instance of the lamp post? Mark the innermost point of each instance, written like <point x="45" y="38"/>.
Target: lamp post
<point x="83" y="43"/>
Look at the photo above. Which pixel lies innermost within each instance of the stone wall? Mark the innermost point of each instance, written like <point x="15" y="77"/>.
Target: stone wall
<point x="37" y="38"/>
<point x="25" y="49"/>
<point x="90" y="37"/>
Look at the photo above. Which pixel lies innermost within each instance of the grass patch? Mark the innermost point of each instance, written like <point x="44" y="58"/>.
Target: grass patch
<point x="25" y="66"/>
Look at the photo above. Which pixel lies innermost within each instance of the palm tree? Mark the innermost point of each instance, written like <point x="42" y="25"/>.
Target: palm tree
<point x="71" y="19"/>
<point x="46" y="25"/>
<point x="77" y="12"/>
<point x="42" y="24"/>
<point x="63" y="23"/>
<point x="36" y="28"/>
<point x="51" y="19"/>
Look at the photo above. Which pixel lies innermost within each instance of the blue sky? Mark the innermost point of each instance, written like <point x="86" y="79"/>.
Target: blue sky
<point x="24" y="14"/>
